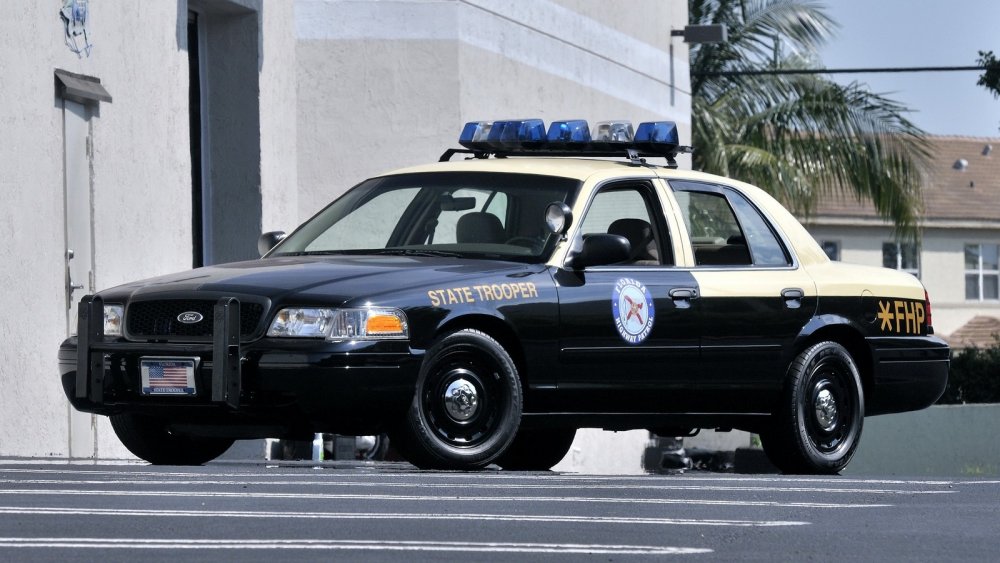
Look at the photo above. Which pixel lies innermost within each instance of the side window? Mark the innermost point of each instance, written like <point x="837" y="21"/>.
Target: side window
<point x="728" y="231"/>
<point x="765" y="247"/>
<point x="626" y="211"/>
<point x="715" y="234"/>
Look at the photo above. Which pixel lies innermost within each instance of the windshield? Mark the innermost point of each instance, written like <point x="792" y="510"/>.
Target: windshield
<point x="469" y="214"/>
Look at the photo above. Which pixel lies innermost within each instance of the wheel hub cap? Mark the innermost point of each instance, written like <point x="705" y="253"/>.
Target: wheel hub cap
<point x="461" y="400"/>
<point x="826" y="410"/>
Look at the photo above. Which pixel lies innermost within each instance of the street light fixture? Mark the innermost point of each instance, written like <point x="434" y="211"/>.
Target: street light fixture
<point x="710" y="33"/>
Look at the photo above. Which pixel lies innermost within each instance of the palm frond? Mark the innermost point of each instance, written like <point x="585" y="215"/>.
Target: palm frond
<point x="801" y="137"/>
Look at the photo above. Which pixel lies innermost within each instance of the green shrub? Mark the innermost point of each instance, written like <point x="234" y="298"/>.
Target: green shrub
<point x="974" y="376"/>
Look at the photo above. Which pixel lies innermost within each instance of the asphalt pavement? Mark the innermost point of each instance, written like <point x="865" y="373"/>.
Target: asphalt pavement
<point x="389" y="511"/>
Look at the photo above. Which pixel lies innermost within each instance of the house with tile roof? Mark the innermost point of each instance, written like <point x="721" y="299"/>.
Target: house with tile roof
<point x="958" y="256"/>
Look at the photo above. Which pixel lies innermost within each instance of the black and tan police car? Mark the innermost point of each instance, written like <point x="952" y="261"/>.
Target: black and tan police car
<point x="482" y="310"/>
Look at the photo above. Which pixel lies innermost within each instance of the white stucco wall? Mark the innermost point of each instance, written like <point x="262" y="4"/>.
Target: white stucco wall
<point x="377" y="97"/>
<point x="141" y="171"/>
<point x="278" y="126"/>
<point x="31" y="256"/>
<point x="140" y="179"/>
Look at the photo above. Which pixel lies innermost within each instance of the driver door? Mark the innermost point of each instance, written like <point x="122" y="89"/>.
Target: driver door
<point x="628" y="334"/>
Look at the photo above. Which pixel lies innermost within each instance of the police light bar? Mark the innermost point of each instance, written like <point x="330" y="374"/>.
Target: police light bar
<point x="574" y="137"/>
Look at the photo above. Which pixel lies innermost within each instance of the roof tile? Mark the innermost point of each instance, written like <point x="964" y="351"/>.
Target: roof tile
<point x="970" y="191"/>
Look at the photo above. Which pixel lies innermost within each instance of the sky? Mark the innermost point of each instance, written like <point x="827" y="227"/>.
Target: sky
<point x="907" y="33"/>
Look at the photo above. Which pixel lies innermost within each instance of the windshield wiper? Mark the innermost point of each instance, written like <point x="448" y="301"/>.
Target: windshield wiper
<point x="322" y="253"/>
<point x="417" y="252"/>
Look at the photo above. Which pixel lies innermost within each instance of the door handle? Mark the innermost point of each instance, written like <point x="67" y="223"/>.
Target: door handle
<point x="682" y="296"/>
<point x="793" y="297"/>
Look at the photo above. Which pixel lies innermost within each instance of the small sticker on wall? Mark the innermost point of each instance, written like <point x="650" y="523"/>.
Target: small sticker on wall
<point x="74" y="15"/>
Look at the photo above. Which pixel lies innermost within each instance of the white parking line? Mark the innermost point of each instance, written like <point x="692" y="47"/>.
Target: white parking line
<point x="487" y="486"/>
<point x="451" y="498"/>
<point x="426" y="546"/>
<point x="543" y="518"/>
<point x="495" y="475"/>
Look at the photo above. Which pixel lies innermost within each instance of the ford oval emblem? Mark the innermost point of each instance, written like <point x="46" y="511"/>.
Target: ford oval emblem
<point x="190" y="317"/>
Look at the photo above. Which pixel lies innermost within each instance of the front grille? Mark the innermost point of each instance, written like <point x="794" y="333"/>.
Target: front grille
<point x="158" y="319"/>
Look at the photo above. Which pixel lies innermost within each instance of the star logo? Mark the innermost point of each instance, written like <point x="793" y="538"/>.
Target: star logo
<point x="885" y="315"/>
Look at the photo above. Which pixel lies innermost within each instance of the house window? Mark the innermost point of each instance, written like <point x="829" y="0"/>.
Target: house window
<point x="901" y="256"/>
<point x="982" y="272"/>
<point x="831" y="248"/>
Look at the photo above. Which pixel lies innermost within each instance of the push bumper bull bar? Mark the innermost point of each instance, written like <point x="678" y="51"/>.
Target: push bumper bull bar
<point x="225" y="350"/>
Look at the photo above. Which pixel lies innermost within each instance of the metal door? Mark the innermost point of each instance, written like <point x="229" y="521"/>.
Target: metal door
<point x="79" y="248"/>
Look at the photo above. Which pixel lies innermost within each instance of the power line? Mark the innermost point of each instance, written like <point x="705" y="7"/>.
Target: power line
<point x="779" y="71"/>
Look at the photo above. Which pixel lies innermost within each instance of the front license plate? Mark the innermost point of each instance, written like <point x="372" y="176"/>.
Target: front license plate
<point x="168" y="376"/>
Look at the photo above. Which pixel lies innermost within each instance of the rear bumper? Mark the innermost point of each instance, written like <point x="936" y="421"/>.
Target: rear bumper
<point x="908" y="373"/>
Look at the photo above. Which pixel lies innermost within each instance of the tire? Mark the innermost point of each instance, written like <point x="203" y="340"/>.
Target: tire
<point x="817" y="426"/>
<point x="467" y="406"/>
<point x="537" y="450"/>
<point x="378" y="451"/>
<point x="150" y="439"/>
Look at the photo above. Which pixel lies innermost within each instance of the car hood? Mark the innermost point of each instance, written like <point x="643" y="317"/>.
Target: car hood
<point x="327" y="279"/>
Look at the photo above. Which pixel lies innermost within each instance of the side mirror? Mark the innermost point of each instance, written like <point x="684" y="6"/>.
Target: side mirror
<point x="268" y="240"/>
<point x="600" y="249"/>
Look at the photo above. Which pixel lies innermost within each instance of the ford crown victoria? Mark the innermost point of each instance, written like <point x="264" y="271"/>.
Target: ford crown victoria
<point x="481" y="310"/>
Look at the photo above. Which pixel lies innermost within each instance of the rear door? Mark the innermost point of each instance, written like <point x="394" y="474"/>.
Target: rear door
<point x="754" y="298"/>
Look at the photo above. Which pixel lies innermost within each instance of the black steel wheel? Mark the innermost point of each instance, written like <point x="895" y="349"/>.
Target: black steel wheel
<point x="151" y="439"/>
<point x="467" y="406"/>
<point x="537" y="449"/>
<point x="817" y="426"/>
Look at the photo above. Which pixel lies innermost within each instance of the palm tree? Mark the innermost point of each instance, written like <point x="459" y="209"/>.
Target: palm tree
<point x="799" y="136"/>
<point x="990" y="78"/>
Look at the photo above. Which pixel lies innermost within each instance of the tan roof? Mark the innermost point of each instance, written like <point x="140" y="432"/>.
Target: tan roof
<point x="979" y="332"/>
<point x="962" y="184"/>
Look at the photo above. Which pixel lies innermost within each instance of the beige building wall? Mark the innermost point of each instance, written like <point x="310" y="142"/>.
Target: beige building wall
<point x="942" y="265"/>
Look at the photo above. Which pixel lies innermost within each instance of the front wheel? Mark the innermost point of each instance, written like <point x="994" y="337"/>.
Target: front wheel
<point x="467" y="405"/>
<point x="150" y="439"/>
<point x="817" y="426"/>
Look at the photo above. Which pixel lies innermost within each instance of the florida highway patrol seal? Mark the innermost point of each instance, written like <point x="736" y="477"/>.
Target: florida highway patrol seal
<point x="632" y="307"/>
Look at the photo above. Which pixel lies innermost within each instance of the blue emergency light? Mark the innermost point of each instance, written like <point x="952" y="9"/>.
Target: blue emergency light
<point x="573" y="137"/>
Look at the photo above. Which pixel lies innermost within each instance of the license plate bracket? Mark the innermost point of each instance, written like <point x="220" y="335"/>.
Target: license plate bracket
<point x="168" y="375"/>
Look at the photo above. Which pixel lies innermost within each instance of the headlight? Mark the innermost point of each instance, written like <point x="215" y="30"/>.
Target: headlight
<point x="373" y="323"/>
<point x="113" y="315"/>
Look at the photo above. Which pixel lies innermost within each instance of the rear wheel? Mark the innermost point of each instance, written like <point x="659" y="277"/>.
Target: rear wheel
<point x="467" y="405"/>
<point x="817" y="426"/>
<point x="150" y="439"/>
<point x="537" y="449"/>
